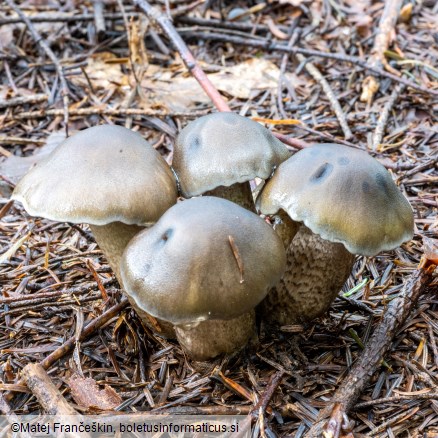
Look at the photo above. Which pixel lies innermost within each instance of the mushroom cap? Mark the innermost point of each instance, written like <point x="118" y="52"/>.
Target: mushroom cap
<point x="222" y="149"/>
<point x="342" y="194"/>
<point x="184" y="269"/>
<point x="100" y="175"/>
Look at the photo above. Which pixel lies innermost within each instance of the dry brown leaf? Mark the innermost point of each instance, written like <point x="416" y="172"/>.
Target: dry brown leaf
<point x="102" y="72"/>
<point x="14" y="168"/>
<point x="86" y="393"/>
<point x="243" y="81"/>
<point x="430" y="249"/>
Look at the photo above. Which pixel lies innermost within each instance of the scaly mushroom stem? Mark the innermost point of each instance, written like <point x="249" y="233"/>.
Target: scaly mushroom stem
<point x="112" y="240"/>
<point x="239" y="193"/>
<point x="205" y="340"/>
<point x="315" y="273"/>
<point x="285" y="227"/>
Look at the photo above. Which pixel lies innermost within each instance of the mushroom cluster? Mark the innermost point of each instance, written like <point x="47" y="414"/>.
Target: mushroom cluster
<point x="199" y="269"/>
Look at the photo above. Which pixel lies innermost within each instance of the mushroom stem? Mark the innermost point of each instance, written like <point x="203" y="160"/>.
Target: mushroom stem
<point x="285" y="227"/>
<point x="239" y="193"/>
<point x="112" y="240"/>
<point x="315" y="273"/>
<point x="205" y="340"/>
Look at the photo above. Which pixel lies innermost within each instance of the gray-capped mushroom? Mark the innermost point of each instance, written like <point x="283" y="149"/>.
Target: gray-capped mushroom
<point x="348" y="204"/>
<point x="106" y="176"/>
<point x="204" y="266"/>
<point x="219" y="153"/>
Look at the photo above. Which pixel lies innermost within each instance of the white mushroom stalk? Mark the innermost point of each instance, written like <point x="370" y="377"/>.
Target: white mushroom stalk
<point x="203" y="267"/>
<point x="348" y="204"/>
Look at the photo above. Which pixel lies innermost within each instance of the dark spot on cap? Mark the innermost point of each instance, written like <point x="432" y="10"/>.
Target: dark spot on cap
<point x="121" y="150"/>
<point x="366" y="187"/>
<point x="382" y="183"/>
<point x="343" y="161"/>
<point x="322" y="173"/>
<point x="195" y="143"/>
<point x="166" y="235"/>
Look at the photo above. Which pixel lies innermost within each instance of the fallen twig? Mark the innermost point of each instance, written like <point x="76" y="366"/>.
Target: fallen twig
<point x="49" y="52"/>
<point x="99" y="20"/>
<point x="394" y="420"/>
<point x="49" y="397"/>
<point x="87" y="331"/>
<point x="18" y="140"/>
<point x="75" y="18"/>
<point x="334" y="103"/>
<point x="22" y="100"/>
<point x="264" y="400"/>
<point x="5" y="209"/>
<point x="258" y="410"/>
<point x="189" y="60"/>
<point x="34" y="305"/>
<point x="108" y="112"/>
<point x="381" y="43"/>
<point x="58" y="18"/>
<point x="383" y="119"/>
<point x="292" y="142"/>
<point x="352" y="386"/>
<point x="219" y="376"/>
<point x="419" y="168"/>
<point x="270" y="47"/>
<point x="295" y="34"/>
<point x="23" y="300"/>
<point x="204" y="410"/>
<point x="47" y="394"/>
<point x="397" y="398"/>
<point x="241" y="25"/>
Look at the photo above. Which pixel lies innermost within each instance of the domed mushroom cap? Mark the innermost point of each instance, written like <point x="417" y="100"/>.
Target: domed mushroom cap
<point x="94" y="177"/>
<point x="185" y="270"/>
<point x="222" y="149"/>
<point x="342" y="194"/>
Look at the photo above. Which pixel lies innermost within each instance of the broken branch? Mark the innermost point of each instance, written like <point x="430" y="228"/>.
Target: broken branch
<point x="47" y="394"/>
<point x="49" y="52"/>
<point x="334" y="102"/>
<point x="383" y="38"/>
<point x="189" y="60"/>
<point x="352" y="386"/>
